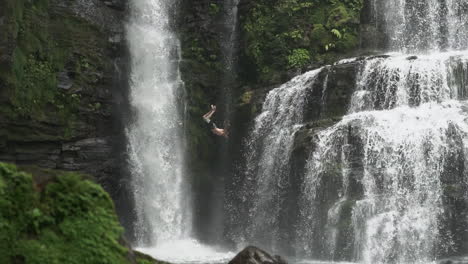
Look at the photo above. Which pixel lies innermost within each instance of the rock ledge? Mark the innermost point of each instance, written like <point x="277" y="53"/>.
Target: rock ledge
<point x="254" y="255"/>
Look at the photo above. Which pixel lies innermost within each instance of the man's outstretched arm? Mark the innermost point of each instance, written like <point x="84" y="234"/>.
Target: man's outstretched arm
<point x="210" y="113"/>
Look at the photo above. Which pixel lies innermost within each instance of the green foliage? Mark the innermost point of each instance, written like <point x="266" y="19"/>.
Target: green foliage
<point x="71" y="220"/>
<point x="279" y="32"/>
<point x="214" y="9"/>
<point x="298" y="58"/>
<point x="201" y="54"/>
<point x="145" y="259"/>
<point x="246" y="98"/>
<point x="337" y="33"/>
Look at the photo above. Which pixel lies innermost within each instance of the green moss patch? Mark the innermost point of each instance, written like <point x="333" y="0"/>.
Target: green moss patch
<point x="68" y="220"/>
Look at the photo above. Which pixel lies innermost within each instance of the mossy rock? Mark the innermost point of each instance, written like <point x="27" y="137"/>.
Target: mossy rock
<point x="43" y="43"/>
<point x="62" y="218"/>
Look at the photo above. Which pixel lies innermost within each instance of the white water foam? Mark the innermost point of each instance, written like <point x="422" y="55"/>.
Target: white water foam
<point x="269" y="147"/>
<point x="404" y="155"/>
<point x="401" y="79"/>
<point x="423" y="25"/>
<point x="407" y="120"/>
<point x="188" y="251"/>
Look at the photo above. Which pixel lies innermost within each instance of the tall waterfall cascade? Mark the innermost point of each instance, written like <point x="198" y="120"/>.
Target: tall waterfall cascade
<point x="155" y="137"/>
<point x="388" y="183"/>
<point x="268" y="149"/>
<point x="403" y="144"/>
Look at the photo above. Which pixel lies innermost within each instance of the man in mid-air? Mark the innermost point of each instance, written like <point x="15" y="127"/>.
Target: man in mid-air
<point x="212" y="126"/>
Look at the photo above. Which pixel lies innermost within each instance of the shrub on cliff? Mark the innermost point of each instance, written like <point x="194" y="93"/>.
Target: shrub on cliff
<point x="290" y="34"/>
<point x="59" y="218"/>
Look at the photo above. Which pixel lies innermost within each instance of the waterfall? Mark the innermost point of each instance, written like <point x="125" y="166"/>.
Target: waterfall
<point x="414" y="26"/>
<point x="155" y="137"/>
<point x="392" y="159"/>
<point x="268" y="150"/>
<point x="388" y="182"/>
<point x="229" y="50"/>
<point x="402" y="80"/>
<point x="403" y="156"/>
<point x="230" y="33"/>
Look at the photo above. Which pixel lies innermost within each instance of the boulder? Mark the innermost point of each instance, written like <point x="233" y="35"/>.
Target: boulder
<point x="254" y="255"/>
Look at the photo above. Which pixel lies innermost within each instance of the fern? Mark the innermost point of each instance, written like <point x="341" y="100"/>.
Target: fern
<point x="337" y="33"/>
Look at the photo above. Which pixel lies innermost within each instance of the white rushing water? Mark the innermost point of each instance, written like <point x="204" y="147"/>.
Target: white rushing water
<point x="401" y="80"/>
<point x="188" y="251"/>
<point x="375" y="182"/>
<point x="268" y="150"/>
<point x="407" y="122"/>
<point x="415" y="26"/>
<point x="405" y="152"/>
<point x="230" y="34"/>
<point x="155" y="137"/>
<point x="404" y="141"/>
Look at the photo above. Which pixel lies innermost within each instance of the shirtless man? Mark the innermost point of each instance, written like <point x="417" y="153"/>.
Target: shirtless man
<point x="212" y="126"/>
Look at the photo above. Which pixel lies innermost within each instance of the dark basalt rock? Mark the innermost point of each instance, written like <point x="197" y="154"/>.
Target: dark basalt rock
<point x="107" y="15"/>
<point x="254" y="255"/>
<point x="383" y="56"/>
<point x="331" y="92"/>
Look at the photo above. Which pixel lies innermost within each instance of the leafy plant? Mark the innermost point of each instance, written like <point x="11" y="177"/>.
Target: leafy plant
<point x="298" y="58"/>
<point x="337" y="33"/>
<point x="277" y="33"/>
<point x="214" y="9"/>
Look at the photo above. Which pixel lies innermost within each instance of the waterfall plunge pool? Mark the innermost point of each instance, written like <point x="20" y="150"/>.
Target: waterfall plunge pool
<point x="191" y="251"/>
<point x="188" y="251"/>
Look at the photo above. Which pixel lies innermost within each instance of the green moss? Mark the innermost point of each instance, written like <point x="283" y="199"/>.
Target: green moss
<point x="145" y="259"/>
<point x="37" y="85"/>
<point x="69" y="220"/>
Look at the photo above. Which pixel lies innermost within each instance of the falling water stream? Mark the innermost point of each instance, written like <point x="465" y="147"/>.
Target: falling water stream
<point x="156" y="139"/>
<point x="268" y="150"/>
<point x="155" y="136"/>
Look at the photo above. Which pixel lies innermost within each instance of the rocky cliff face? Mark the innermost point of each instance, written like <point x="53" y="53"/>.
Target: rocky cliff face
<point x="61" y="84"/>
